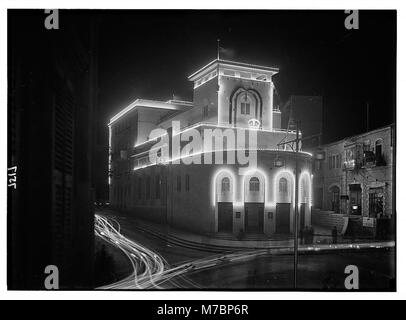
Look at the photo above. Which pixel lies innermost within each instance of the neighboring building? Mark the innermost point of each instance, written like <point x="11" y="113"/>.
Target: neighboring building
<point x="236" y="99"/>
<point x="356" y="178"/>
<point x="51" y="99"/>
<point x="308" y="110"/>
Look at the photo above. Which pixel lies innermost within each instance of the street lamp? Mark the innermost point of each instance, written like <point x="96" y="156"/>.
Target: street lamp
<point x="320" y="155"/>
<point x="278" y="163"/>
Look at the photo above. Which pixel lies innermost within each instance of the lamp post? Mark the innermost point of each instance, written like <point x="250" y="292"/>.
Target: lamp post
<point x="296" y="220"/>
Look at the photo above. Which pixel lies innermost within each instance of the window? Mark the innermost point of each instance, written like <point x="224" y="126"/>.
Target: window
<point x="283" y="185"/>
<point x="367" y="145"/>
<point x="148" y="188"/>
<point x="349" y="154"/>
<point x="245" y="75"/>
<point x="178" y="184"/>
<point x="254" y="184"/>
<point x="157" y="187"/>
<point x="375" y="202"/>
<point x="205" y="111"/>
<point x="335" y="199"/>
<point x="229" y="73"/>
<point x="187" y="182"/>
<point x="245" y="108"/>
<point x="337" y="161"/>
<point x="225" y="185"/>
<point x="378" y="149"/>
<point x="334" y="161"/>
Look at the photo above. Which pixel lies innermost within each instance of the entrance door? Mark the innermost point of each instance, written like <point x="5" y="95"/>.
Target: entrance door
<point x="282" y="218"/>
<point x="335" y="200"/>
<point x="225" y="217"/>
<point x="254" y="217"/>
<point x="355" y="199"/>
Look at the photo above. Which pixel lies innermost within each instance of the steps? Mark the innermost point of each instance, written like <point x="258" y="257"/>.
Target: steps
<point x="328" y="219"/>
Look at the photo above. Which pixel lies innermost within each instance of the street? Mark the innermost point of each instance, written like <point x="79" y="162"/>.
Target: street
<point x="159" y="265"/>
<point x="319" y="271"/>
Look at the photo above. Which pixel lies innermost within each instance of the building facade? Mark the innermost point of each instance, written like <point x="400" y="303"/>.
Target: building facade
<point x="356" y="178"/>
<point x="220" y="163"/>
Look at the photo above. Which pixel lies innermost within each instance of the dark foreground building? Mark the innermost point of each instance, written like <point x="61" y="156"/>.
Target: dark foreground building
<point x="51" y="100"/>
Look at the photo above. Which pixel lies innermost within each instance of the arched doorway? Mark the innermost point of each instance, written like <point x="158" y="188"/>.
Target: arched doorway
<point x="224" y="202"/>
<point x="334" y="199"/>
<point x="283" y="197"/>
<point x="254" y="195"/>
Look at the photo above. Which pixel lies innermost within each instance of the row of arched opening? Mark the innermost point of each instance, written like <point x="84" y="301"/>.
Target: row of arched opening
<point x="253" y="197"/>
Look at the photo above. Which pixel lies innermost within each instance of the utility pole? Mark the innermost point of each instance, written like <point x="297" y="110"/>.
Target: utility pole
<point x="295" y="248"/>
<point x="367" y="116"/>
<point x="296" y="217"/>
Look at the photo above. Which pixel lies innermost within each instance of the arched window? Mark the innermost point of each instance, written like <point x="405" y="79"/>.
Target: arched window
<point x="254" y="184"/>
<point x="245" y="105"/>
<point x="225" y="184"/>
<point x="283" y="185"/>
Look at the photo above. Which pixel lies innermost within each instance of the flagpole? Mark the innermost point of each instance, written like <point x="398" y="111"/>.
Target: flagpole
<point x="218" y="49"/>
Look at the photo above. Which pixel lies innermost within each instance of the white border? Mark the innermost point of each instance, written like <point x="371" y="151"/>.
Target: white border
<point x="212" y="4"/>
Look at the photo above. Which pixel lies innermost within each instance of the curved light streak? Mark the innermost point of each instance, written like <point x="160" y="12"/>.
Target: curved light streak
<point x="149" y="268"/>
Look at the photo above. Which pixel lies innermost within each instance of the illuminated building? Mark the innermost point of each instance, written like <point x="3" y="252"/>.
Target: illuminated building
<point x="237" y="100"/>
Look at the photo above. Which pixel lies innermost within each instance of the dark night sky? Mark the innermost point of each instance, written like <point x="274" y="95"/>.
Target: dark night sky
<point x="149" y="54"/>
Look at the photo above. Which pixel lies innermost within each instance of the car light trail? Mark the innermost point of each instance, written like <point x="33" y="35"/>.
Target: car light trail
<point x="148" y="267"/>
<point x="151" y="270"/>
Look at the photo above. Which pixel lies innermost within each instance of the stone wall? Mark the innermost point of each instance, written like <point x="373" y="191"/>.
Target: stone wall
<point x="328" y="219"/>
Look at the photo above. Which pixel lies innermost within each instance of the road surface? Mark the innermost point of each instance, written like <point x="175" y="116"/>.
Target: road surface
<point x="159" y="265"/>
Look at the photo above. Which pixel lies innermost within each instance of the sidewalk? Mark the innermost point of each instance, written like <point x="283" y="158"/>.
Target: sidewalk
<point x="228" y="242"/>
